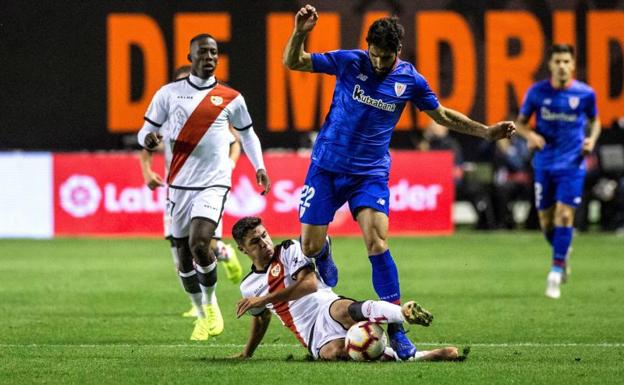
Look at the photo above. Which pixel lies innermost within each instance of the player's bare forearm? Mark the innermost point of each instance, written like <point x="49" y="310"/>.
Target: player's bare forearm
<point x="595" y="128"/>
<point x="259" y="326"/>
<point x="295" y="58"/>
<point x="457" y="121"/>
<point x="594" y="132"/>
<point x="145" y="158"/>
<point x="522" y="126"/>
<point x="304" y="285"/>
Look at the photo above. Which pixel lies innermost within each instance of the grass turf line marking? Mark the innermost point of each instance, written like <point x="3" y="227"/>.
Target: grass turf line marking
<point x="203" y="346"/>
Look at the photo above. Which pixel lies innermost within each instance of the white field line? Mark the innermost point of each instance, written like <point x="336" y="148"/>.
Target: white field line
<point x="218" y="346"/>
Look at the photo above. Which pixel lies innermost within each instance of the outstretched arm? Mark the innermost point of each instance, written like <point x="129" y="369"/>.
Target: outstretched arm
<point x="461" y="123"/>
<point x="259" y="326"/>
<point x="304" y="285"/>
<point x="295" y="58"/>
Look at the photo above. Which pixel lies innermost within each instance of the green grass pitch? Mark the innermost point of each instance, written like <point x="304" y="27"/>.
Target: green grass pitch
<point x="107" y="311"/>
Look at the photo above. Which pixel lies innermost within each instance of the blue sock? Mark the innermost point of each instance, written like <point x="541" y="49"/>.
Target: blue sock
<point x="385" y="277"/>
<point x="562" y="238"/>
<point x="550" y="234"/>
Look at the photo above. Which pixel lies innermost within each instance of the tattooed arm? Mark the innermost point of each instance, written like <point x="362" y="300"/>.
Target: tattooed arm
<point x="461" y="123"/>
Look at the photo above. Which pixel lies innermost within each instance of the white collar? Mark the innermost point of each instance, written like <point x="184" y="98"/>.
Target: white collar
<point x="199" y="82"/>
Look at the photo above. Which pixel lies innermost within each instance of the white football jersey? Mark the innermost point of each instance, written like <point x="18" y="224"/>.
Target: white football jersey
<point x="299" y="315"/>
<point x="193" y="115"/>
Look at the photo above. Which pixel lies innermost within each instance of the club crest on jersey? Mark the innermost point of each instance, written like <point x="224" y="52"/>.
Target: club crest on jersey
<point x="399" y="88"/>
<point x="216" y="100"/>
<point x="574" y="101"/>
<point x="275" y="270"/>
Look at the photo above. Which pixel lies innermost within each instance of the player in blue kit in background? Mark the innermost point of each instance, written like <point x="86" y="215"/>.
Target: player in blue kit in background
<point x="563" y="107"/>
<point x="350" y="159"/>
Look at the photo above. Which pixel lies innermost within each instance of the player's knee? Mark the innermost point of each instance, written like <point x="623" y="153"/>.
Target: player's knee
<point x="333" y="352"/>
<point x="201" y="250"/>
<point x="376" y="246"/>
<point x="564" y="218"/>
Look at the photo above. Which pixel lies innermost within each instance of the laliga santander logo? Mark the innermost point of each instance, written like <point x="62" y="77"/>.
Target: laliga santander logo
<point x="81" y="196"/>
<point x="403" y="196"/>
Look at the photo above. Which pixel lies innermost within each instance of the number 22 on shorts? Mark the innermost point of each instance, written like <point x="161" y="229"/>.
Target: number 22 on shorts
<point x="307" y="193"/>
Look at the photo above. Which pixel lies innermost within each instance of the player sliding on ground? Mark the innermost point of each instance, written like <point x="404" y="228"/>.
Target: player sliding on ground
<point x="284" y="282"/>
<point x="350" y="159"/>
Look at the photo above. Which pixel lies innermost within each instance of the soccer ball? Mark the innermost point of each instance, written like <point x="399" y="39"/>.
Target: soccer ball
<point x="365" y="341"/>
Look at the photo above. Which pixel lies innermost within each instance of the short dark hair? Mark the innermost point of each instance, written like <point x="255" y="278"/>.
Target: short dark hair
<point x="243" y="226"/>
<point x="200" y="37"/>
<point x="560" y="48"/>
<point x="386" y="33"/>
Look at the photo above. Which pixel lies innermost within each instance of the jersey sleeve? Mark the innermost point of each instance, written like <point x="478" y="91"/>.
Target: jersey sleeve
<point x="294" y="260"/>
<point x="528" y="105"/>
<point x="254" y="311"/>
<point x="158" y="110"/>
<point x="239" y="117"/>
<point x="331" y="62"/>
<point x="591" y="110"/>
<point x="423" y="96"/>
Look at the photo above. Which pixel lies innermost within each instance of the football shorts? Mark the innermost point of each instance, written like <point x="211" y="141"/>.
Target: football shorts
<point x="324" y="192"/>
<point x="184" y="205"/>
<point x="565" y="186"/>
<point x="325" y="329"/>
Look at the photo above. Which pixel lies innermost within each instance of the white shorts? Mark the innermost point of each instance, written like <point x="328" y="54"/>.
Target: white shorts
<point x="167" y="226"/>
<point x="326" y="329"/>
<point x="184" y="205"/>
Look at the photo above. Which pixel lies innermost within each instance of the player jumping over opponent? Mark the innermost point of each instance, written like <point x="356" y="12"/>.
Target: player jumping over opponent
<point x="350" y="160"/>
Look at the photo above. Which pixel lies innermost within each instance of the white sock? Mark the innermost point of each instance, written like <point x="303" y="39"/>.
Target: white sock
<point x="221" y="252"/>
<point x="209" y="292"/>
<point x="382" y="311"/>
<point x="390" y="355"/>
<point x="196" y="298"/>
<point x="174" y="255"/>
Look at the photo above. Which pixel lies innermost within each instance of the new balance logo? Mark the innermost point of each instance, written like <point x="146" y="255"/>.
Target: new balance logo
<point x="362" y="77"/>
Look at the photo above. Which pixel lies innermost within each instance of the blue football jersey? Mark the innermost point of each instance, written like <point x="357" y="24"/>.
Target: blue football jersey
<point x="562" y="116"/>
<point x="364" y="111"/>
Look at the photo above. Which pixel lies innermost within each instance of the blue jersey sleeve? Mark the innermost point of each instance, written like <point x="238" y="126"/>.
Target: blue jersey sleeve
<point x="528" y="105"/>
<point x="331" y="62"/>
<point x="423" y="97"/>
<point x="590" y="106"/>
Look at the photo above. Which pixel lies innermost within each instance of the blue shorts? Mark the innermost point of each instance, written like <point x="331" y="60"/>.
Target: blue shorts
<point x="565" y="186"/>
<point x="325" y="192"/>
